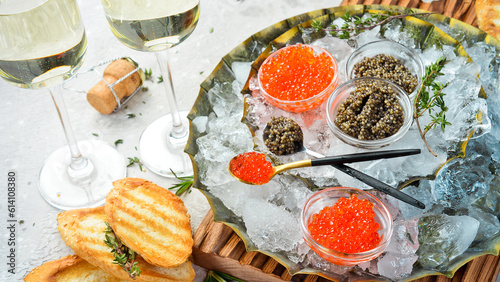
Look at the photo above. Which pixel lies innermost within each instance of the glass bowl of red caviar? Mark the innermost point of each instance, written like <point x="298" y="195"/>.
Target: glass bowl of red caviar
<point x="389" y="60"/>
<point x="298" y="78"/>
<point x="369" y="112"/>
<point x="346" y="226"/>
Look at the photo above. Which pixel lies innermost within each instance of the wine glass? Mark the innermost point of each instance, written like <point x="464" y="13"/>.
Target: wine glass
<point x="156" y="26"/>
<point x="43" y="43"/>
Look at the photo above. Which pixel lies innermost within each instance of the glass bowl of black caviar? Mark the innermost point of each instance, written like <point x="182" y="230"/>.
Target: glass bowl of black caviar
<point x="283" y="136"/>
<point x="388" y="60"/>
<point x="369" y="112"/>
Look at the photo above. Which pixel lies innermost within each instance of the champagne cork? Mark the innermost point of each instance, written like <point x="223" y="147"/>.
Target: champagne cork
<point x="100" y="95"/>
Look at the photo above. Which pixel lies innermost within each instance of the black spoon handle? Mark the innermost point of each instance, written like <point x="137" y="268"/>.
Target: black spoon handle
<point x="379" y="185"/>
<point x="362" y="157"/>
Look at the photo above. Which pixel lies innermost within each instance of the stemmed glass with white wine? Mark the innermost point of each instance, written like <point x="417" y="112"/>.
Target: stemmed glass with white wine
<point x="43" y="43"/>
<point x="156" y="26"/>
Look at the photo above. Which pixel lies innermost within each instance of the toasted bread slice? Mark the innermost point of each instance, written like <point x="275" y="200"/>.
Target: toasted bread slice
<point x="83" y="231"/>
<point x="150" y="220"/>
<point x="488" y="16"/>
<point x="69" y="269"/>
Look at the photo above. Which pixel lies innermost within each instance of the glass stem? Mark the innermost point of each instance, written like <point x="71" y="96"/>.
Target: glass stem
<point x="80" y="168"/>
<point x="179" y="130"/>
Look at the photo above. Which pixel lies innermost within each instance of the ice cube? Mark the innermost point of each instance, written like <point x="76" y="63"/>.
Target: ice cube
<point x="320" y="263"/>
<point x="200" y="123"/>
<point x="368" y="36"/>
<point x="404" y="240"/>
<point x="224" y="101"/>
<point x="370" y="266"/>
<point x="421" y="193"/>
<point x="488" y="223"/>
<point x="462" y="181"/>
<point x="339" y="48"/>
<point x="442" y="238"/>
<point x="396" y="266"/>
<point x="282" y="233"/>
<point x="241" y="71"/>
<point x="219" y="146"/>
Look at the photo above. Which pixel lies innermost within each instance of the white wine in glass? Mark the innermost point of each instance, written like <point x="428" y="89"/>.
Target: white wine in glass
<point x="43" y="43"/>
<point x="156" y="26"/>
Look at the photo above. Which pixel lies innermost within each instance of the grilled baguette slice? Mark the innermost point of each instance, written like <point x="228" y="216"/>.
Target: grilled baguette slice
<point x="83" y="231"/>
<point x="150" y="220"/>
<point x="488" y="16"/>
<point x="69" y="269"/>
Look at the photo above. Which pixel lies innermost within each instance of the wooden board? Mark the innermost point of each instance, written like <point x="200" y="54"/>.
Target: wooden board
<point x="217" y="247"/>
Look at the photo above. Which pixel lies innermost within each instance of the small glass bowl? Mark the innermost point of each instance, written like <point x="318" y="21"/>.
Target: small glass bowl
<point x="298" y="106"/>
<point x="342" y="92"/>
<point x="400" y="52"/>
<point x="328" y="197"/>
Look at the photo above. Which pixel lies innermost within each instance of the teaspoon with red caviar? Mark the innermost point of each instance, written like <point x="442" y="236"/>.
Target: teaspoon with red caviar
<point x="253" y="168"/>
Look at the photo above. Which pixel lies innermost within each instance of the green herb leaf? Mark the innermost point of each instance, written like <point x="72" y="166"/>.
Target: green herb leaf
<point x="119" y="141"/>
<point x="135" y="160"/>
<point x="216" y="276"/>
<point x="185" y="185"/>
<point x="354" y="25"/>
<point x="95" y="134"/>
<point x="160" y="79"/>
<point x="130" y="115"/>
<point x="432" y="103"/>
<point x="123" y="256"/>
<point x="148" y="73"/>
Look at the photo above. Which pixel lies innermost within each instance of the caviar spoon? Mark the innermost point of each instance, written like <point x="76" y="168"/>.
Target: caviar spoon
<point x="252" y="168"/>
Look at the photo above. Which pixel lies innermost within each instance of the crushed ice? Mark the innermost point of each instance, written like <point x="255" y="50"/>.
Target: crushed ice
<point x="271" y="212"/>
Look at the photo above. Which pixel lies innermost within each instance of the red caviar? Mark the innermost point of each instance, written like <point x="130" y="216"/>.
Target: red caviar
<point x="348" y="226"/>
<point x="251" y="167"/>
<point x="297" y="73"/>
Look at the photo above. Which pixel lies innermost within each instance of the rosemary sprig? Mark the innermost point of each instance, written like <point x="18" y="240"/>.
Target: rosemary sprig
<point x="215" y="276"/>
<point x="185" y="185"/>
<point x="354" y="25"/>
<point x="432" y="103"/>
<point x="135" y="160"/>
<point x="119" y="141"/>
<point x="148" y="73"/>
<point x="124" y="256"/>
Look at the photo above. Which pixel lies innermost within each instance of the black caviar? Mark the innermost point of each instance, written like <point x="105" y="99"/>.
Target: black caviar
<point x="283" y="136"/>
<point x="386" y="67"/>
<point x="371" y="112"/>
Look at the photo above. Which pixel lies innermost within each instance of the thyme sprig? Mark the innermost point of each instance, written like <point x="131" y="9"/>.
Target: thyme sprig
<point x="216" y="276"/>
<point x="124" y="256"/>
<point x="433" y="103"/>
<point x="185" y="185"/>
<point x="119" y="141"/>
<point x="148" y="73"/>
<point x="135" y="160"/>
<point x="354" y="25"/>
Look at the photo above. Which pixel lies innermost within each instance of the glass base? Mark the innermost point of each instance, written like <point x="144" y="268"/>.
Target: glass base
<point x="160" y="155"/>
<point x="59" y="190"/>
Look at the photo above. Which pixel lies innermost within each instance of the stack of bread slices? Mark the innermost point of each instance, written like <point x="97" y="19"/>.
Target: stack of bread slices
<point x="148" y="219"/>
